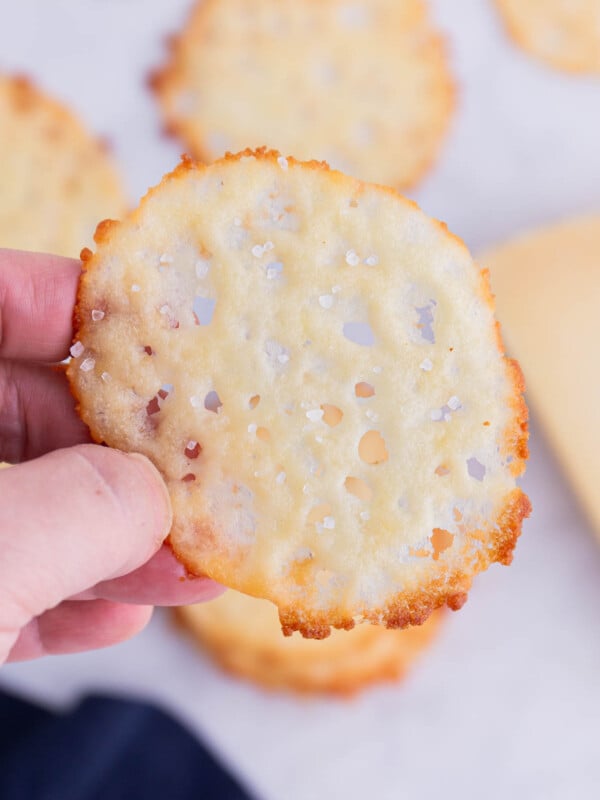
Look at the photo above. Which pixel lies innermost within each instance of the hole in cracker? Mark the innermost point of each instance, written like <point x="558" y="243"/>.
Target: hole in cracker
<point x="440" y="540"/>
<point x="254" y="401"/>
<point x="442" y="470"/>
<point x="189" y="477"/>
<point x="212" y="402"/>
<point x="203" y="309"/>
<point x="476" y="469"/>
<point x="153" y="406"/>
<point x="372" y="449"/>
<point x="360" y="333"/>
<point x="425" y="321"/>
<point x="364" y="389"/>
<point x="192" y="449"/>
<point x="148" y="350"/>
<point x="263" y="434"/>
<point x="358" y="488"/>
<point x="332" y="415"/>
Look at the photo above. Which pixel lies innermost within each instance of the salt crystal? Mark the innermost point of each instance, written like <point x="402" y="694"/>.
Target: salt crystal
<point x="196" y="401"/>
<point x="257" y="251"/>
<point x="106" y="377"/>
<point x="326" y="300"/>
<point x="372" y="261"/>
<point x="283" y="358"/>
<point x="453" y="403"/>
<point x="436" y="414"/>
<point x="352" y="258"/>
<point x="87" y="365"/>
<point x="377" y="370"/>
<point x="252" y="428"/>
<point x="135" y="287"/>
<point x="97" y="315"/>
<point x="329" y="523"/>
<point x="77" y="349"/>
<point x="268" y="246"/>
<point x="165" y="309"/>
<point x="166" y="259"/>
<point x="315" y="414"/>
<point x="426" y="364"/>
<point x="283" y="162"/>
<point x="364" y="515"/>
<point x="280" y="478"/>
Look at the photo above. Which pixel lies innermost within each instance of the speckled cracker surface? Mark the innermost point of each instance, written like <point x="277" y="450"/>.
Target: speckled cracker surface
<point x="564" y="33"/>
<point x="57" y="180"/>
<point x="363" y="84"/>
<point x="243" y="635"/>
<point x="314" y="366"/>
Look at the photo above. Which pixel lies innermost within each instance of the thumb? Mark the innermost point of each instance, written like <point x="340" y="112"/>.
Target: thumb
<point x="73" y="518"/>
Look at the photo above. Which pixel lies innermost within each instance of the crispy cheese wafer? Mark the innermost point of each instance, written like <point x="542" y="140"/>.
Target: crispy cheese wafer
<point x="57" y="180"/>
<point x="563" y="34"/>
<point x="314" y="366"/>
<point x="243" y="635"/>
<point x="364" y="85"/>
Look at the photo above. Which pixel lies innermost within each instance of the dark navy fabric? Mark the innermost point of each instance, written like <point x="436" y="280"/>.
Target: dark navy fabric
<point x="105" y="749"/>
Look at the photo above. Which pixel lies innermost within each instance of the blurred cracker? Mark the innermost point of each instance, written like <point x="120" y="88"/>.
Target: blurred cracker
<point x="364" y="85"/>
<point x="56" y="179"/>
<point x="244" y="637"/>
<point x="565" y="34"/>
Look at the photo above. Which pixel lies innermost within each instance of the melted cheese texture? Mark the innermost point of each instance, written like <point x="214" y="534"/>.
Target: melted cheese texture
<point x="314" y="366"/>
<point x="564" y="34"/>
<point x="57" y="181"/>
<point x="364" y="84"/>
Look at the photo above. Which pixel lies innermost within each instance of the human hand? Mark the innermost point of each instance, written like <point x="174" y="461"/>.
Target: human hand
<point x="81" y="526"/>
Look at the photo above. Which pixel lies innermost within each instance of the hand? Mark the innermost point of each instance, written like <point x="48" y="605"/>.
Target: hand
<point x="81" y="526"/>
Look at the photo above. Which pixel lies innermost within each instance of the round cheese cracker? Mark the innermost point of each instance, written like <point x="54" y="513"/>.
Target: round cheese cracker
<point x="243" y="635"/>
<point x="564" y="34"/>
<point x="363" y="84"/>
<point x="57" y="180"/>
<point x="314" y="366"/>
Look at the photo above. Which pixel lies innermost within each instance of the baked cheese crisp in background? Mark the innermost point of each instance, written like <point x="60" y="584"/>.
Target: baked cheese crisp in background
<point x="547" y="287"/>
<point x="562" y="33"/>
<point x="365" y="85"/>
<point x="57" y="180"/>
<point x="243" y="635"/>
<point x="507" y="699"/>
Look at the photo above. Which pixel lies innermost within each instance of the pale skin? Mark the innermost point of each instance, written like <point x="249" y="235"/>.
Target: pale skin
<point x="82" y="559"/>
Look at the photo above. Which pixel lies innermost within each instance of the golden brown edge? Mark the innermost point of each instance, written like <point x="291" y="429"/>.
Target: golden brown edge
<point x="345" y="686"/>
<point x="26" y="95"/>
<point x="447" y="588"/>
<point x="164" y="80"/>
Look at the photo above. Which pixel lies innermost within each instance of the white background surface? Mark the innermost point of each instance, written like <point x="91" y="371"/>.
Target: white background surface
<point x="507" y="702"/>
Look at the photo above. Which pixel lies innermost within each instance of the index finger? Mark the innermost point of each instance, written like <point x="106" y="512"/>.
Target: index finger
<point x="37" y="295"/>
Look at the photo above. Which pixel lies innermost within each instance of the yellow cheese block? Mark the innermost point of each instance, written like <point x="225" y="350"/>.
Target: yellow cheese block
<point x="547" y="286"/>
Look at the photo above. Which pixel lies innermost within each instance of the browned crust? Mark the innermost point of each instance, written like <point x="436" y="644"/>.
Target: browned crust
<point x="163" y="80"/>
<point x="448" y="587"/>
<point x="267" y="668"/>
